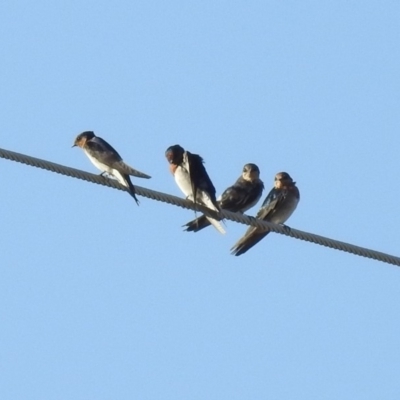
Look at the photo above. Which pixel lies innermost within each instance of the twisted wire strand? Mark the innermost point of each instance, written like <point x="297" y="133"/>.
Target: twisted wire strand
<point x="177" y="201"/>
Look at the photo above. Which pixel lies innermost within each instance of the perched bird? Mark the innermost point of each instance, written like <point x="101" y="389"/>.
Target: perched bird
<point x="240" y="197"/>
<point x="107" y="159"/>
<point x="192" y="178"/>
<point x="278" y="206"/>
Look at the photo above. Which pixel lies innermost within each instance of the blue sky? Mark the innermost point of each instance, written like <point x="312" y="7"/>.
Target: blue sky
<point x="101" y="299"/>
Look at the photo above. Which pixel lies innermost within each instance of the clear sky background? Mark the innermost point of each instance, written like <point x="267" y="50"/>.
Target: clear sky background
<point x="101" y="299"/>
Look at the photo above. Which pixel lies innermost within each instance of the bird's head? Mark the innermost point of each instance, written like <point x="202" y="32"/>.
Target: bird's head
<point x="283" y="179"/>
<point x="251" y="172"/>
<point x="82" y="138"/>
<point x="174" y="154"/>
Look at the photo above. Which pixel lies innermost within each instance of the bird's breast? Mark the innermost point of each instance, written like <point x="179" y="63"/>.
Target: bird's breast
<point x="182" y="179"/>
<point x="96" y="161"/>
<point x="172" y="168"/>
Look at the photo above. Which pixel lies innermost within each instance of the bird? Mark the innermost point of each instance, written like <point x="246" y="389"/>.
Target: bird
<point x="277" y="207"/>
<point x="107" y="160"/>
<point x="192" y="178"/>
<point x="240" y="197"/>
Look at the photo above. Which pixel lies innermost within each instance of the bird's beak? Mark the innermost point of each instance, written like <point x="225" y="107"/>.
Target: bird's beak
<point x="74" y="145"/>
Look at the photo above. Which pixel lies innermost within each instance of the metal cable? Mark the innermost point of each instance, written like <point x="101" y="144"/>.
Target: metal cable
<point x="177" y="201"/>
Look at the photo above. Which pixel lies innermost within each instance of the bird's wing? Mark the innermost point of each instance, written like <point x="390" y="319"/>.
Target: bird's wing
<point x="128" y="170"/>
<point x="198" y="176"/>
<point x="253" y="234"/>
<point x="200" y="180"/>
<point x="111" y="157"/>
<point x="207" y="201"/>
<point x="108" y="154"/>
<point x="273" y="201"/>
<point x="241" y="196"/>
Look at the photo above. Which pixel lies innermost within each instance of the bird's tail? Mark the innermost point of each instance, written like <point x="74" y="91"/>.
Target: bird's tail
<point x="130" y="188"/>
<point x="214" y="222"/>
<point x="197" y="224"/>
<point x="249" y="240"/>
<point x="125" y="180"/>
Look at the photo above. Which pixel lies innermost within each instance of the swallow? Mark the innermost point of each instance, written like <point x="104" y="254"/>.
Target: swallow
<point x="192" y="178"/>
<point x="107" y="160"/>
<point x="240" y="197"/>
<point x="277" y="207"/>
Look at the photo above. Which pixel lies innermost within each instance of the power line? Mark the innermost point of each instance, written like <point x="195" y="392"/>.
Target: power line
<point x="177" y="201"/>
